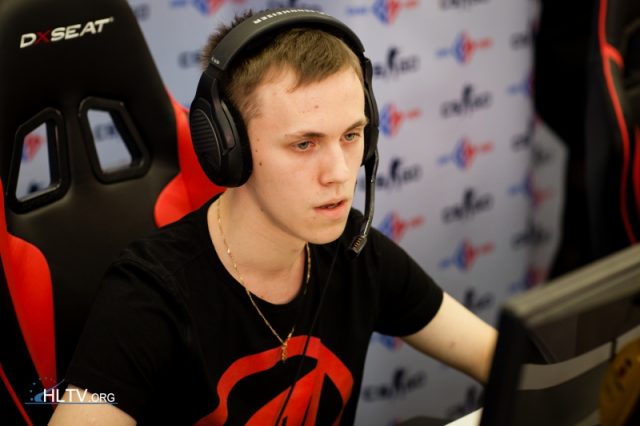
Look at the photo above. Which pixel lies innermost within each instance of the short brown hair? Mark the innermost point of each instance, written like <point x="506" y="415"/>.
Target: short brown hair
<point x="311" y="54"/>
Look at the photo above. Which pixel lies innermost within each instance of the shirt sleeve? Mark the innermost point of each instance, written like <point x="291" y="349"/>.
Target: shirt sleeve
<point x="130" y="341"/>
<point x="409" y="298"/>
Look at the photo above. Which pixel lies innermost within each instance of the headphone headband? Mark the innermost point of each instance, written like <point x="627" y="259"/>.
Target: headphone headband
<point x="257" y="26"/>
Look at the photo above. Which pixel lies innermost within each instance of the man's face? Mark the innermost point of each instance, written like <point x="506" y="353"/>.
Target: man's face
<point x="307" y="146"/>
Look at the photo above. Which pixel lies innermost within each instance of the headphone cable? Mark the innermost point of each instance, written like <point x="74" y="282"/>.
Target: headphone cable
<point x="308" y="338"/>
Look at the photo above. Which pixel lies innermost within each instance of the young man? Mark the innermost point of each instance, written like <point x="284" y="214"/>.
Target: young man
<point x="247" y="311"/>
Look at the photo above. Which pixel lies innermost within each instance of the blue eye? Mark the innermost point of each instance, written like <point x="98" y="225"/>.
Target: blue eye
<point x="303" y="146"/>
<point x="350" y="137"/>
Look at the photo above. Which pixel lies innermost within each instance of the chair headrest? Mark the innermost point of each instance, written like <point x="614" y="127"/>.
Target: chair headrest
<point x="57" y="53"/>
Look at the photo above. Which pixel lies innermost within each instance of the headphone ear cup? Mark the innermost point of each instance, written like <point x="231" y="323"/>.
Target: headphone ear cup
<point x="236" y="164"/>
<point x="206" y="143"/>
<point x="220" y="142"/>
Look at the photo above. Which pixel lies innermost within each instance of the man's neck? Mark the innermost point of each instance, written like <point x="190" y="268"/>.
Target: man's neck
<point x="268" y="264"/>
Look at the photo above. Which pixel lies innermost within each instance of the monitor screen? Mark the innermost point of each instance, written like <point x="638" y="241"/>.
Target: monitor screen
<point x="557" y="341"/>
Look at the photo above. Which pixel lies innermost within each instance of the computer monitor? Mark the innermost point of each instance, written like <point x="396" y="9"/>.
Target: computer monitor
<point x="557" y="341"/>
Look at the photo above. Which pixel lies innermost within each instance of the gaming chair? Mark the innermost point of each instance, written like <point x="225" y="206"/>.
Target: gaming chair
<point x="612" y="157"/>
<point x="62" y="64"/>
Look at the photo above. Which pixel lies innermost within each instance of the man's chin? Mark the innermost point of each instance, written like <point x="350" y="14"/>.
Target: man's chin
<point x="330" y="235"/>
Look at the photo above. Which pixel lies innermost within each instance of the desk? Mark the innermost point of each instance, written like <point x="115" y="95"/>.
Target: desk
<point x="471" y="419"/>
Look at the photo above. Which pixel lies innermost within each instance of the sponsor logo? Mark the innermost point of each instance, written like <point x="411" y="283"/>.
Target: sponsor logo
<point x="34" y="186"/>
<point x="64" y="33"/>
<point x="465" y="153"/>
<point x="398" y="175"/>
<point x="477" y="302"/>
<point x="527" y="188"/>
<point x="466" y="255"/>
<point x="391" y="118"/>
<point x="142" y="11"/>
<point x="531" y="278"/>
<point x="386" y="11"/>
<point x="540" y="156"/>
<point x="396" y="64"/>
<point x="523" y="87"/>
<point x="470" y="205"/>
<point x="205" y="7"/>
<point x="472" y="401"/>
<point x="402" y="383"/>
<point x="524" y="140"/>
<point x="521" y="40"/>
<point x="33" y="142"/>
<point x="104" y="131"/>
<point x="189" y="59"/>
<point x="534" y="235"/>
<point x="469" y="102"/>
<point x="289" y="4"/>
<point x="395" y="227"/>
<point x="390" y="342"/>
<point x="464" y="47"/>
<point x="460" y="4"/>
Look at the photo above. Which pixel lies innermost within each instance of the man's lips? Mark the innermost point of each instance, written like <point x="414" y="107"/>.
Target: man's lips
<point x="332" y="204"/>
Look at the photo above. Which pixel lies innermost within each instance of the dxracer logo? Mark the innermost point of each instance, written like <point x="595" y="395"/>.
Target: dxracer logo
<point x="460" y="4"/>
<point x="464" y="153"/>
<point x="396" y="64"/>
<point x="385" y="10"/>
<point x="466" y="255"/>
<point x="469" y="102"/>
<point x="396" y="176"/>
<point x="463" y="48"/>
<point x="204" y="7"/>
<point x="395" y="227"/>
<point x="64" y="33"/>
<point x="392" y="118"/>
<point x="32" y="144"/>
<point x="471" y="204"/>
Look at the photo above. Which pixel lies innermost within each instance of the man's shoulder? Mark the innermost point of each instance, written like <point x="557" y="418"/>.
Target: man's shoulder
<point x="170" y="247"/>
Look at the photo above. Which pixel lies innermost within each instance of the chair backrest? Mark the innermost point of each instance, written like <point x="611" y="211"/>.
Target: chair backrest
<point x="613" y="127"/>
<point x="79" y="87"/>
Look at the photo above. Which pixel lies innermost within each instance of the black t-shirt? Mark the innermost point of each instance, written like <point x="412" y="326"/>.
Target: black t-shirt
<point x="176" y="340"/>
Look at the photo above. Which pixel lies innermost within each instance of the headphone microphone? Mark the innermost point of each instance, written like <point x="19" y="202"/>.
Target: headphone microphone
<point x="359" y="241"/>
<point x="218" y="132"/>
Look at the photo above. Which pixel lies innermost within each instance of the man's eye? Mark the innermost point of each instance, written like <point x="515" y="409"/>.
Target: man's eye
<point x="303" y="146"/>
<point x="350" y="137"/>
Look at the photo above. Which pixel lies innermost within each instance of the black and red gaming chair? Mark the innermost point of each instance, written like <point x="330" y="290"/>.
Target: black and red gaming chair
<point x="613" y="127"/>
<point x="60" y="62"/>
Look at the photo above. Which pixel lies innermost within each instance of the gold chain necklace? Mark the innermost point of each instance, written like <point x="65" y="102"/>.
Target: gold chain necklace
<point x="283" y="342"/>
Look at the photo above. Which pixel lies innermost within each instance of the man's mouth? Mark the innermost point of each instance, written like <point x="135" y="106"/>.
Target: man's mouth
<point x="332" y="205"/>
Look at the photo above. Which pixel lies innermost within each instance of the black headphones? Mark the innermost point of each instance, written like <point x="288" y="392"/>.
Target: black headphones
<point x="217" y="130"/>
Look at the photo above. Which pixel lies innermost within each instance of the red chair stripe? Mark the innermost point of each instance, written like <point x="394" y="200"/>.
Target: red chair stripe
<point x="14" y="397"/>
<point x="190" y="188"/>
<point x="610" y="54"/>
<point x="29" y="284"/>
<point x="636" y="171"/>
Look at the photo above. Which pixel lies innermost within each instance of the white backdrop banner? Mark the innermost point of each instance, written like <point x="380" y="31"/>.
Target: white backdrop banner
<point x="470" y="181"/>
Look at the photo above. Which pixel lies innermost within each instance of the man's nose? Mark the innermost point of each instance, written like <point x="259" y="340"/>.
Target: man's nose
<point x="334" y="167"/>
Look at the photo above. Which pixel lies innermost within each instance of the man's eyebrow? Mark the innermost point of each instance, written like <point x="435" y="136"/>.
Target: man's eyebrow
<point x="310" y="134"/>
<point x="360" y="123"/>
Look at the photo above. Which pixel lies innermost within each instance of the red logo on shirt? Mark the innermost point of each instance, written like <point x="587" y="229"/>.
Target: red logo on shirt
<point x="302" y="407"/>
